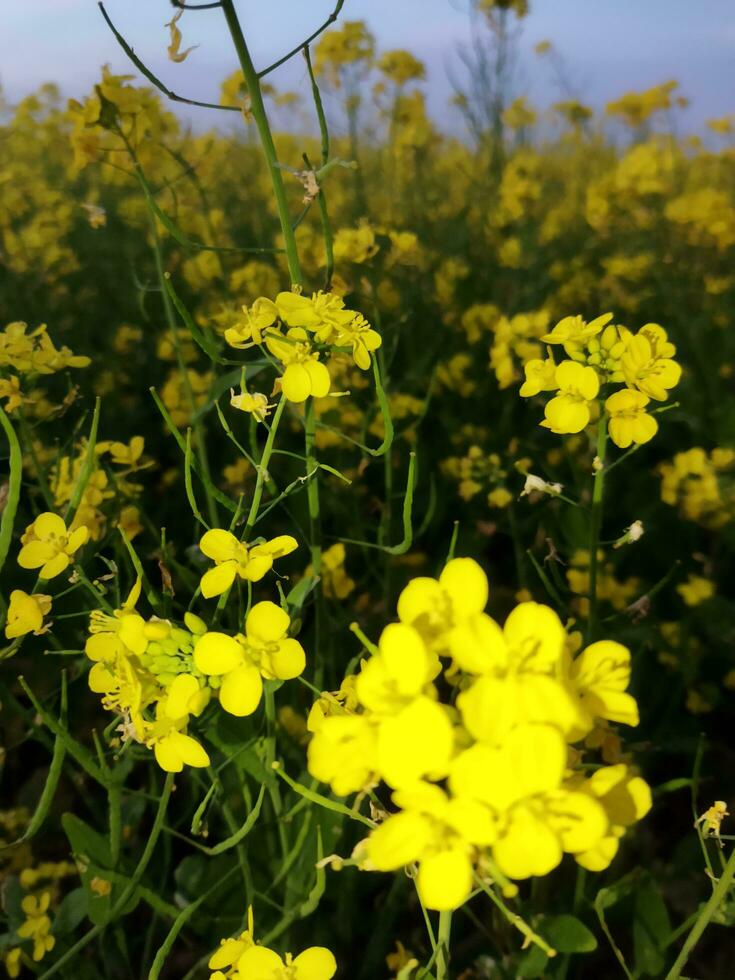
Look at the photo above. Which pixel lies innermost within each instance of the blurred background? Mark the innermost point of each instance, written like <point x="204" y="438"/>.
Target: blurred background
<point x="602" y="48"/>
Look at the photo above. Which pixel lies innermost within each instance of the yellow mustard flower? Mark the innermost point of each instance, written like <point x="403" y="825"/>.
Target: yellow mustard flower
<point x="261" y="963"/>
<point x="626" y="798"/>
<point x="435" y="606"/>
<point x="304" y="374"/>
<point x="235" y="558"/>
<point x="696" y="590"/>
<point x="265" y="651"/>
<point x="255" y="404"/>
<point x="26" y="613"/>
<point x="248" y="328"/>
<point x="48" y="545"/>
<point x="569" y="411"/>
<point x="575" y="330"/>
<point x="628" y="420"/>
<point x="360" y="336"/>
<point x="540" y="376"/>
<point x="37" y="925"/>
<point x="648" y="364"/>
<point x="437" y="832"/>
<point x="173" y="748"/>
<point x="540" y="818"/>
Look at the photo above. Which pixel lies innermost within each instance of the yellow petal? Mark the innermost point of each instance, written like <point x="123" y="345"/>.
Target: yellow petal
<point x="257" y="567"/>
<point x="578" y="819"/>
<point x="219" y="545"/>
<point x="35" y="554"/>
<point x="535" y="636"/>
<point x="444" y="880"/>
<point x="315" y="963"/>
<point x="416" y="742"/>
<point x="266" y="622"/>
<point x="48" y="525"/>
<point x="55" y="566"/>
<point x="76" y="539"/>
<point x="288" y="660"/>
<point x="218" y="579"/>
<point x="279" y="546"/>
<point x="319" y="380"/>
<point x="478" y="646"/>
<point x="180" y="692"/>
<point x="167" y="755"/>
<point x="217" y="653"/>
<point x="241" y="690"/>
<point x="259" y="963"/>
<point x="401" y="839"/>
<point x="528" y="847"/>
<point x="296" y="383"/>
<point x="405" y="657"/>
<point x="189" y="750"/>
<point x="466" y="584"/>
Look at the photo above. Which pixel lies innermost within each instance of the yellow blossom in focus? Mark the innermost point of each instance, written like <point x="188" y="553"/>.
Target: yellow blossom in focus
<point x="628" y="420"/>
<point x="49" y="546"/>
<point x="569" y="411"/>
<point x="235" y="558"/>
<point x="26" y="613"/>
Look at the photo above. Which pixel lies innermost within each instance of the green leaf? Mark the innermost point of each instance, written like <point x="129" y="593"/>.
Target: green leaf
<point x="296" y="597"/>
<point x="92" y="852"/>
<point x="568" y="935"/>
<point x="651" y="929"/>
<point x="532" y="963"/>
<point x="72" y="911"/>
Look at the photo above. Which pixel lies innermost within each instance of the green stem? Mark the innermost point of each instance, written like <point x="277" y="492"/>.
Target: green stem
<point x="442" y="941"/>
<point x="716" y="899"/>
<point x="201" y="449"/>
<point x="257" y="109"/>
<point x="598" y="486"/>
<point x="16" y="473"/>
<point x="315" y="527"/>
<point x="262" y="468"/>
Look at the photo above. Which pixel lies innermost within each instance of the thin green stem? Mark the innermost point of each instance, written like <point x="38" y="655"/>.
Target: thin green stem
<point x="257" y="110"/>
<point x="262" y="468"/>
<point x="443" y="943"/>
<point x="598" y="486"/>
<point x="716" y="899"/>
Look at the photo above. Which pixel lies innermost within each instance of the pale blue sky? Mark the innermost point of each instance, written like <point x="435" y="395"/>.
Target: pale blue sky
<point x="608" y="46"/>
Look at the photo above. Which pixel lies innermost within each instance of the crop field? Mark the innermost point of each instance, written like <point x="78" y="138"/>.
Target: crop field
<point x="367" y="499"/>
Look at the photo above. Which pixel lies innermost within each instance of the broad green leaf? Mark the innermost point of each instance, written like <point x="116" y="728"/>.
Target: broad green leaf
<point x="568" y="935"/>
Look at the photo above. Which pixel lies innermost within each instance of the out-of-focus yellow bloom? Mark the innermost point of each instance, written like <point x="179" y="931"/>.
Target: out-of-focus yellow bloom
<point x="356" y="245"/>
<point x="696" y="590"/>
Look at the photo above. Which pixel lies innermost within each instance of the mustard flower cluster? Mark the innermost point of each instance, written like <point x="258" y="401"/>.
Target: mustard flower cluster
<point x="31" y="934"/>
<point x="298" y="330"/>
<point x="28" y="354"/>
<point x="599" y="354"/>
<point x="482" y="733"/>
<point x="701" y="485"/>
<point x="156" y="675"/>
<point x="478" y="471"/>
<point x="241" y="958"/>
<point x="111" y="490"/>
